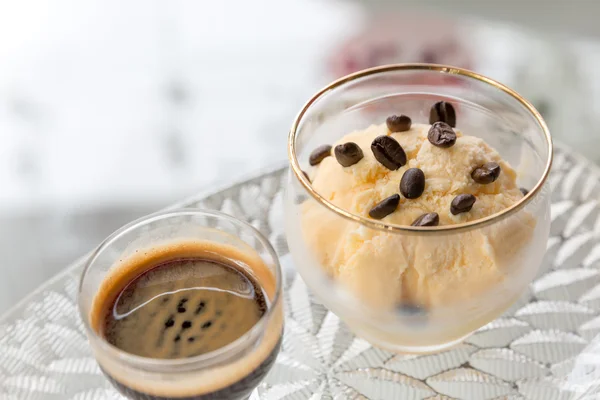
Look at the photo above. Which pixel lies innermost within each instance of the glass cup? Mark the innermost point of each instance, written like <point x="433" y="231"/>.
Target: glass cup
<point x="232" y="371"/>
<point x="497" y="255"/>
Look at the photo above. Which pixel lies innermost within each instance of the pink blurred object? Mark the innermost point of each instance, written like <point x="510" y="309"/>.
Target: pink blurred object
<point x="402" y="38"/>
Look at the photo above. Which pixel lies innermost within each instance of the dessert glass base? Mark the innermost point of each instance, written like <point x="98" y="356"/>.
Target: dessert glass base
<point x="416" y="349"/>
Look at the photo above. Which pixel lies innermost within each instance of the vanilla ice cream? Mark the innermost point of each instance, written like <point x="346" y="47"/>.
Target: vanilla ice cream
<point x="389" y="268"/>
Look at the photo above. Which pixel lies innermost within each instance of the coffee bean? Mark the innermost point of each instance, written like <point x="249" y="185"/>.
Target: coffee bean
<point x="169" y="323"/>
<point x="441" y="135"/>
<point x="191" y="339"/>
<point x="385" y="207"/>
<point x="206" y="325"/>
<point x="487" y="173"/>
<point x="181" y="310"/>
<point x="412" y="183"/>
<point x="348" y="154"/>
<point x="398" y="123"/>
<point x="429" y="219"/>
<point x="186" y="324"/>
<point x="524" y="191"/>
<point x="306" y="176"/>
<point x="177" y="338"/>
<point x="462" y="203"/>
<point x="388" y="152"/>
<point x="442" y="112"/>
<point x="319" y="154"/>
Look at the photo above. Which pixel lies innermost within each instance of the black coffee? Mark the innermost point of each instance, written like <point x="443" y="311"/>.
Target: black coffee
<point x="184" y="308"/>
<point x="182" y="300"/>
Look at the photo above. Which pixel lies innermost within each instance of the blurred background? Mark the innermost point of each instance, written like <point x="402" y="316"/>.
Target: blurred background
<point x="110" y="110"/>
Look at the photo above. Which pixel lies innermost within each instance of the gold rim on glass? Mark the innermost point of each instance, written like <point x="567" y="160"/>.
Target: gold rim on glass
<point x="444" y="69"/>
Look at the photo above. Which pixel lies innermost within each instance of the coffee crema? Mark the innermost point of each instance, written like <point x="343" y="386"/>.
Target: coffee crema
<point x="183" y="300"/>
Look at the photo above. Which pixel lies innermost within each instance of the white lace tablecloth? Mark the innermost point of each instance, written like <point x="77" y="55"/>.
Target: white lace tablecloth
<point x="546" y="347"/>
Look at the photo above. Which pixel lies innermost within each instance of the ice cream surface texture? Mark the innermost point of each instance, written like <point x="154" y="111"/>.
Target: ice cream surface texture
<point x="390" y="268"/>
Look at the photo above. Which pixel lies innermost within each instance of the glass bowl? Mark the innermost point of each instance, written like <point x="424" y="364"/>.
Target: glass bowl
<point x="232" y="371"/>
<point x="418" y="289"/>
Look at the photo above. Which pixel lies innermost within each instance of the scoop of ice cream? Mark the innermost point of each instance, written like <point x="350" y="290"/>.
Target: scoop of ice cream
<point x="387" y="268"/>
